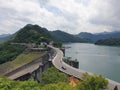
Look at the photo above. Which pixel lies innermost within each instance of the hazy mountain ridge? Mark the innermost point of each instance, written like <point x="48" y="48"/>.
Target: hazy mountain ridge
<point x="35" y="34"/>
<point x="98" y="36"/>
<point x="66" y="37"/>
<point x="4" y="35"/>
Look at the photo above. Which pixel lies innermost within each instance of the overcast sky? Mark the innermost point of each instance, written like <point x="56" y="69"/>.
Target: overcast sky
<point x="71" y="16"/>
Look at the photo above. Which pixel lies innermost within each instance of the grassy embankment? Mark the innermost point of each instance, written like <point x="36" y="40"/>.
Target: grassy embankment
<point x="20" y="60"/>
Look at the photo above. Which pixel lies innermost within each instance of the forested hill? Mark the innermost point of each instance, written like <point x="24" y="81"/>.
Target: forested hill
<point x="66" y="37"/>
<point x="109" y="41"/>
<point x="35" y="34"/>
<point x="28" y="34"/>
<point x="32" y="34"/>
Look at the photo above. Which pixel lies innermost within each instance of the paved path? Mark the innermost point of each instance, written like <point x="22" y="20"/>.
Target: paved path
<point x="59" y="64"/>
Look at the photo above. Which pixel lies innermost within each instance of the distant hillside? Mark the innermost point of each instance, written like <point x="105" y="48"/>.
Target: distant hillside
<point x="35" y="34"/>
<point x="32" y="34"/>
<point x="66" y="37"/>
<point x="4" y="37"/>
<point x="109" y="41"/>
<point x="63" y="36"/>
<point x="95" y="37"/>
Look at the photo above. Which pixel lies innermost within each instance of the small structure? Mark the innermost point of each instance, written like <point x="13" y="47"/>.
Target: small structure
<point x="116" y="88"/>
<point x="29" y="45"/>
<point x="73" y="63"/>
<point x="63" y="50"/>
<point x="51" y="43"/>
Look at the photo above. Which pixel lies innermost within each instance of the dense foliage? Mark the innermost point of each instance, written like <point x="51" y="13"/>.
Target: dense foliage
<point x="66" y="37"/>
<point x="109" y="41"/>
<point x="35" y="34"/>
<point x="9" y="52"/>
<point x="93" y="82"/>
<point x="57" y="44"/>
<point x="6" y="84"/>
<point x="32" y="34"/>
<point x="51" y="76"/>
<point x="53" y="79"/>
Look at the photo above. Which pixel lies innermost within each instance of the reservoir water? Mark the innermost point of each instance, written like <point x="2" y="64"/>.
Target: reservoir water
<point x="103" y="60"/>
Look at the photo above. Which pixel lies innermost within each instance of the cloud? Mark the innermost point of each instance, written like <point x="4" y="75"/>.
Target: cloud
<point x="109" y="15"/>
<point x="72" y="16"/>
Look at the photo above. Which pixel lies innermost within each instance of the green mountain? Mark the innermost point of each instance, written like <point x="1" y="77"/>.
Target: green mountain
<point x="98" y="36"/>
<point x="35" y="34"/>
<point x="66" y="37"/>
<point x="32" y="34"/>
<point x="109" y="41"/>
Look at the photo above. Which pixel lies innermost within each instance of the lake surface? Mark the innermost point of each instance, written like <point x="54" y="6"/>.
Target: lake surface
<point x="104" y="60"/>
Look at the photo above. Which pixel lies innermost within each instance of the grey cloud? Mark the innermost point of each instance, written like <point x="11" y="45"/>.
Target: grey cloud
<point x="84" y="2"/>
<point x="72" y="16"/>
<point x="109" y="16"/>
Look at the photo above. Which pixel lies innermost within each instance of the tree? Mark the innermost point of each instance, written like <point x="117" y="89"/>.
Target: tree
<point x="93" y="82"/>
<point x="53" y="75"/>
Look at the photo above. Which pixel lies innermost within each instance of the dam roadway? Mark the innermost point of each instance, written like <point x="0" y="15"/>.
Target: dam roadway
<point x="62" y="66"/>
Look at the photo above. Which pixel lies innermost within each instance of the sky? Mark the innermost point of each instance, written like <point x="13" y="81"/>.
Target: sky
<point x="72" y="16"/>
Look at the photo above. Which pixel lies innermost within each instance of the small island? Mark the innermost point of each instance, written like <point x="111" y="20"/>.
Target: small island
<point x="109" y="41"/>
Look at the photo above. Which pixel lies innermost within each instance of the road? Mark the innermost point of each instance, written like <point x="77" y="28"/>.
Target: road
<point x="62" y="66"/>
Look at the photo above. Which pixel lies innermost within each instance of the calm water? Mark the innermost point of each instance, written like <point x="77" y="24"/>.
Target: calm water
<point x="104" y="60"/>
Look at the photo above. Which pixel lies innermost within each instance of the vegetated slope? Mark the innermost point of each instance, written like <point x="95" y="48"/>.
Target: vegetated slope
<point x="32" y="34"/>
<point x="95" y="37"/>
<point x="27" y="34"/>
<point x="20" y="60"/>
<point x="66" y="37"/>
<point x="109" y="41"/>
<point x="9" y="52"/>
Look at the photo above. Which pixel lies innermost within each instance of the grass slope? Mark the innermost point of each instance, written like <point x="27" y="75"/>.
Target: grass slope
<point x="20" y="60"/>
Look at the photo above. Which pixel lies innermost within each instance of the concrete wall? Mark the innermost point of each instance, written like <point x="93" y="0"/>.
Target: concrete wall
<point x="36" y="74"/>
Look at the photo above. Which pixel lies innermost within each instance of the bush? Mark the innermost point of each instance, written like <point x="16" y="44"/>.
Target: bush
<point x="9" y="52"/>
<point x="93" y="82"/>
<point x="53" y="75"/>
